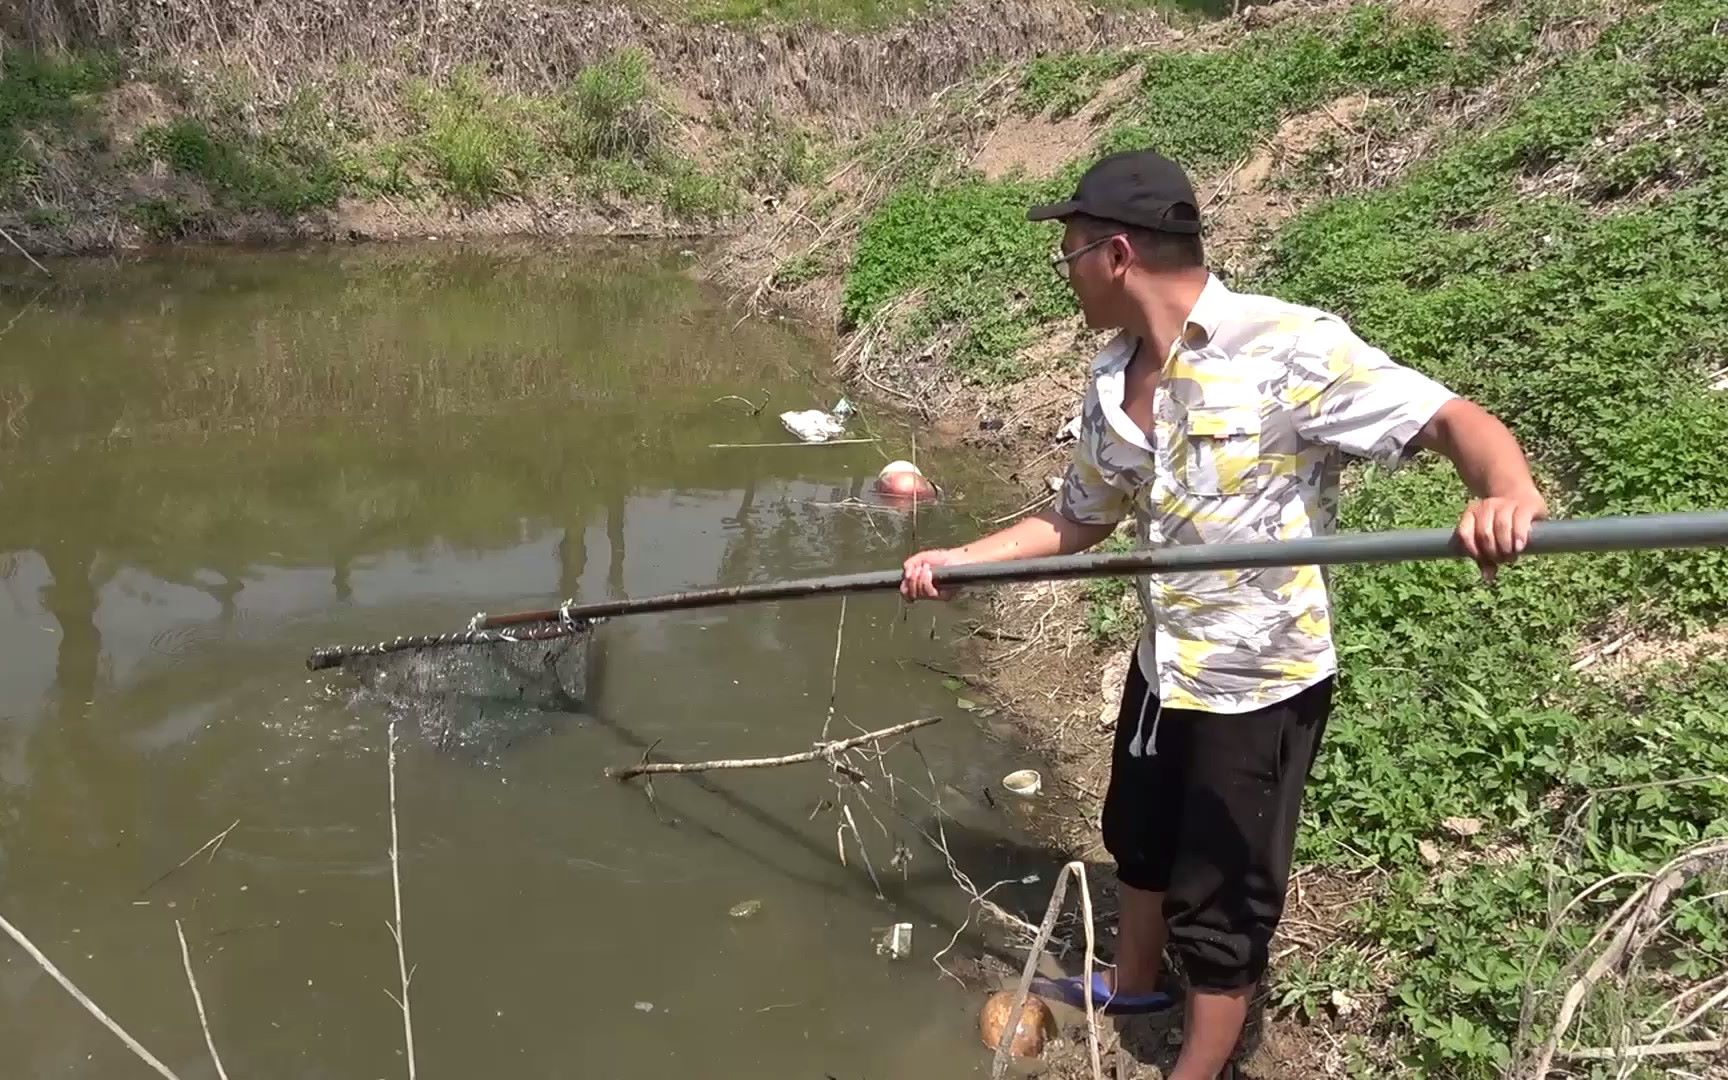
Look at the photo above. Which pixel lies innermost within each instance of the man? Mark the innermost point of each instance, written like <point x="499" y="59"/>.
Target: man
<point x="1218" y="417"/>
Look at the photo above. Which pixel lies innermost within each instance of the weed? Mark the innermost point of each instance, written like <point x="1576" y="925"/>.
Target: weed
<point x="39" y="89"/>
<point x="771" y="158"/>
<point x="479" y="144"/>
<point x="985" y="265"/>
<point x="613" y="112"/>
<point x="1061" y="84"/>
<point x="799" y="270"/>
<point x="1113" y="617"/>
<point x="164" y="220"/>
<point x="692" y="194"/>
<point x="1206" y="110"/>
<point x="274" y="173"/>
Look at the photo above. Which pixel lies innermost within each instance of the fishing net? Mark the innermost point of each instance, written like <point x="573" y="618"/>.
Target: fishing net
<point x="476" y="689"/>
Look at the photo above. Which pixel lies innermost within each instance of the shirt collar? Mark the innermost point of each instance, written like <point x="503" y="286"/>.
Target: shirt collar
<point x="1210" y="309"/>
<point x="1204" y="318"/>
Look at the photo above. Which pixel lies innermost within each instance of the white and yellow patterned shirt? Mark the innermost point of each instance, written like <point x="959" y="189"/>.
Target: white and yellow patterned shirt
<point x="1254" y="409"/>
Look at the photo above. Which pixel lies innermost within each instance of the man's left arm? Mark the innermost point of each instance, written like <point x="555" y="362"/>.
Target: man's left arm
<point x="1495" y="528"/>
<point x="1352" y="396"/>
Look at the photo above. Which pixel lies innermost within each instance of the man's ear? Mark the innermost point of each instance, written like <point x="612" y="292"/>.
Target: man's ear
<point x="1121" y="255"/>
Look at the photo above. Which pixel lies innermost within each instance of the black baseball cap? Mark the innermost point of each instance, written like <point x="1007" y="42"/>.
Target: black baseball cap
<point x="1134" y="187"/>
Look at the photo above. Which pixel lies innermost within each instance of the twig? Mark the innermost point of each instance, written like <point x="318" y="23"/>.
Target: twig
<point x="821" y="751"/>
<point x="1640" y="909"/>
<point x="751" y="405"/>
<point x="999" y="1065"/>
<point x="977" y="900"/>
<point x="1609" y="1053"/>
<point x="396" y="927"/>
<point x="1691" y="1018"/>
<point x="1036" y="504"/>
<point x="764" y="445"/>
<point x="198" y="1000"/>
<point x="215" y="842"/>
<point x="89" y="1006"/>
<point x="21" y="251"/>
<point x="834" y="678"/>
<point x="863" y="853"/>
<point x="23" y="311"/>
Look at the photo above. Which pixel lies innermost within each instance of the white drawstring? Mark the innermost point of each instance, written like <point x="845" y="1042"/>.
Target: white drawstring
<point x="1151" y="744"/>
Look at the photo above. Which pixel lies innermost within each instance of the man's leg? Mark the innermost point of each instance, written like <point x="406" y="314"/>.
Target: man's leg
<point x="1139" y="812"/>
<point x="1210" y="1032"/>
<point x="1140" y="937"/>
<point x="1241" y="800"/>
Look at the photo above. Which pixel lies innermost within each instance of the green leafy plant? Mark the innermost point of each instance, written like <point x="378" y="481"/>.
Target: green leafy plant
<point x="41" y="89"/>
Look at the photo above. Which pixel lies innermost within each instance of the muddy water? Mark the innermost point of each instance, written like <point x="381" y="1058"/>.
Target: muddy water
<point x="211" y="463"/>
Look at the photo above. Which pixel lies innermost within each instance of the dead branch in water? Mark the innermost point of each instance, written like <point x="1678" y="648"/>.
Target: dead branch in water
<point x="822" y="751"/>
<point x="79" y="996"/>
<point x="212" y="845"/>
<point x="396" y="927"/>
<point x="999" y="1064"/>
<point x="21" y="251"/>
<point x="755" y="409"/>
<point x="198" y="1000"/>
<point x="834" y="676"/>
<point x="768" y="445"/>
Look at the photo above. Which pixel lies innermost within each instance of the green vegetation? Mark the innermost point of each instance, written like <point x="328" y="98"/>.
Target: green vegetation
<point x="1206" y="110"/>
<point x="1590" y="330"/>
<point x="1061" y="84"/>
<point x="1113" y="616"/>
<point x="1558" y="260"/>
<point x="463" y="139"/>
<point x="40" y="90"/>
<point x="963" y="241"/>
<point x="291" y="168"/>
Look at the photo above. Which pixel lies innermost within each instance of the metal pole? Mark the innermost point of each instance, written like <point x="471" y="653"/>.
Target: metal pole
<point x="1632" y="533"/>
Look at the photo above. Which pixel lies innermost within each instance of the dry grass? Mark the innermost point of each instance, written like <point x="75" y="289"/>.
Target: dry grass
<point x="794" y="70"/>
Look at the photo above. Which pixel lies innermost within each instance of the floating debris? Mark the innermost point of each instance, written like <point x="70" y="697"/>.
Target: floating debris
<point x="897" y="944"/>
<point x="1036" y="1023"/>
<point x="745" y="909"/>
<point x="814" y="425"/>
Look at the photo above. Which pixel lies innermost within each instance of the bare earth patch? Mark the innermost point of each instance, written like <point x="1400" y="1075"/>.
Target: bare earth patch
<point x="1625" y="656"/>
<point x="1040" y="146"/>
<point x="1250" y="201"/>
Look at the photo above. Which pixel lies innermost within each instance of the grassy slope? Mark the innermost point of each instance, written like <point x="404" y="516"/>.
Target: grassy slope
<point x="609" y="137"/>
<point x="1558" y="259"/>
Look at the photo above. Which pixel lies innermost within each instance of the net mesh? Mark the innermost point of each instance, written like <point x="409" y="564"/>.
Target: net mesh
<point x="482" y="696"/>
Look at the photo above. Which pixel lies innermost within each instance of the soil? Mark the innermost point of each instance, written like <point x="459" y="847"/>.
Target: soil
<point x="1039" y="146"/>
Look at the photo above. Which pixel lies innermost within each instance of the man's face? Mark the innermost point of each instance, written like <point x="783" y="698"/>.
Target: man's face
<point x="1094" y="262"/>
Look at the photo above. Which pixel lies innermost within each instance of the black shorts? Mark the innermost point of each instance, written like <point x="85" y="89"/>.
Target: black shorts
<point x="1207" y="815"/>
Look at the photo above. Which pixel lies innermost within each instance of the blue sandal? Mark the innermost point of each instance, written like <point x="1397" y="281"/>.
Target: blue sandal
<point x="1069" y="991"/>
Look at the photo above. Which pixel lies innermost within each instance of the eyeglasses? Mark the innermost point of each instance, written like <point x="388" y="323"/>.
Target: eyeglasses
<point x="1063" y="263"/>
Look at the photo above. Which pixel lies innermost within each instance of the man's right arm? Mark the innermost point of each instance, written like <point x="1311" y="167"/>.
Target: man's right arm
<point x="1042" y="534"/>
<point x="1088" y="508"/>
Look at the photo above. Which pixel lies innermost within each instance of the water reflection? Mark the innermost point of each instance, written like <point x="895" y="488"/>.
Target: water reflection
<point x="223" y="461"/>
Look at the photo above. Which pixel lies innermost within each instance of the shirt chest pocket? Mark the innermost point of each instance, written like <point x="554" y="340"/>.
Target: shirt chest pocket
<point x="1220" y="450"/>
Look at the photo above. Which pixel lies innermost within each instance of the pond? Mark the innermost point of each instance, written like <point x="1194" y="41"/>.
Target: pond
<point x="212" y="462"/>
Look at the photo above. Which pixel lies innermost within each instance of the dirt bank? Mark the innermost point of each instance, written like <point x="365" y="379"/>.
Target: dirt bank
<point x="234" y="120"/>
